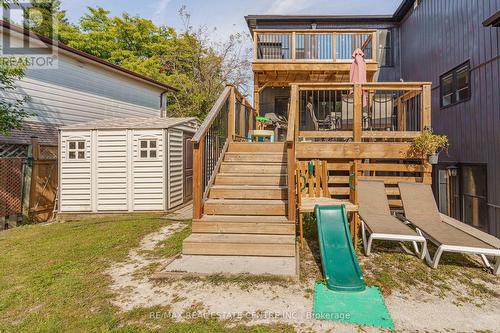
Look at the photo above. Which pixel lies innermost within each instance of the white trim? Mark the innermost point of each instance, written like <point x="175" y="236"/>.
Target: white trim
<point x="165" y="164"/>
<point x="130" y="172"/>
<point x="367" y="244"/>
<point x="76" y="139"/>
<point x="93" y="171"/>
<point x="482" y="252"/>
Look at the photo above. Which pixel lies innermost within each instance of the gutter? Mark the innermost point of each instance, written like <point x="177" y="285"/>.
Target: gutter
<point x="161" y="104"/>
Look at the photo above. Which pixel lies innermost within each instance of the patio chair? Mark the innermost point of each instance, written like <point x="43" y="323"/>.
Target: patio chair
<point x="376" y="218"/>
<point x="448" y="234"/>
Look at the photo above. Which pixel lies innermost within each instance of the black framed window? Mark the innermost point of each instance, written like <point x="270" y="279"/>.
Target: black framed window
<point x="455" y="85"/>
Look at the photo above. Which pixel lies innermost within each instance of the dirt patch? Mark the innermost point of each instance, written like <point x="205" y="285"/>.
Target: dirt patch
<point x="255" y="301"/>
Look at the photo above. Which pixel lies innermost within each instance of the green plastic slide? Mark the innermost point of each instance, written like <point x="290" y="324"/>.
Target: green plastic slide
<point x="340" y="266"/>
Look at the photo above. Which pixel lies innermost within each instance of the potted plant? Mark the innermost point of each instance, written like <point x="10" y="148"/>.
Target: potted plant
<point x="429" y="145"/>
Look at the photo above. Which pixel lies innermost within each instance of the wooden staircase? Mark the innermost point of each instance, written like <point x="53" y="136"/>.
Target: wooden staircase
<point x="245" y="213"/>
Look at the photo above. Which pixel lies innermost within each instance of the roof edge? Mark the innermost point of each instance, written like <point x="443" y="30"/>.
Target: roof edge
<point x="396" y="17"/>
<point x="146" y="121"/>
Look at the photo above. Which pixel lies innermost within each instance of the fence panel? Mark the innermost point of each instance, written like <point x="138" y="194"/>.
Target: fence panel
<point x="11" y="178"/>
<point x="44" y="182"/>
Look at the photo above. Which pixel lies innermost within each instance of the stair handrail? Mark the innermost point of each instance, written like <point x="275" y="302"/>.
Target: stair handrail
<point x="216" y="108"/>
<point x="211" y="140"/>
<point x="291" y="137"/>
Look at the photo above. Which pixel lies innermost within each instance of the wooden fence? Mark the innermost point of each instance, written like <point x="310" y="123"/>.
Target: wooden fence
<point x="28" y="183"/>
<point x="11" y="179"/>
<point x="41" y="181"/>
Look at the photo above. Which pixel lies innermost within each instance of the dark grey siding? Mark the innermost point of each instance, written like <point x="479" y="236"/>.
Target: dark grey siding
<point x="436" y="37"/>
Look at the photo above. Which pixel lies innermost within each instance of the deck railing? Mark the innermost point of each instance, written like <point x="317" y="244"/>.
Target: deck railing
<point x="363" y="112"/>
<point x="291" y="138"/>
<point x="230" y="119"/>
<point x="325" y="45"/>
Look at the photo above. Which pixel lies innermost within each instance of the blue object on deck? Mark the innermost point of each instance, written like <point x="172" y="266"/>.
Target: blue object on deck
<point x="340" y="265"/>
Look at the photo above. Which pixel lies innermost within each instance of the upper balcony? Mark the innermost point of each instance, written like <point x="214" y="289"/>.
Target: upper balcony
<point x="324" y="50"/>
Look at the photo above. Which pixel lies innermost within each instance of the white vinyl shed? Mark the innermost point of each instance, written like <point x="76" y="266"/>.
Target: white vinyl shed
<point x="128" y="164"/>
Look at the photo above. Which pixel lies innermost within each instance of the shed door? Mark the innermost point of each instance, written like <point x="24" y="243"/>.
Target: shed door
<point x="188" y="167"/>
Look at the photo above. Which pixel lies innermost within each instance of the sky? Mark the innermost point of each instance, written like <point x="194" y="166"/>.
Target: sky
<point x="227" y="16"/>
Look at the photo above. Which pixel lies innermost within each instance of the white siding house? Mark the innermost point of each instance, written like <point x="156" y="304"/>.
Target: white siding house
<point x="126" y="164"/>
<point x="80" y="88"/>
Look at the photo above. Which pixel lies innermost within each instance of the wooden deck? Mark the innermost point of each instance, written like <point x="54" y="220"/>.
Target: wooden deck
<point x="247" y="196"/>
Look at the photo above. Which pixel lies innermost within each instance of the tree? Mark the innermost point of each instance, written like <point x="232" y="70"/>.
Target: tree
<point x="188" y="60"/>
<point x="11" y="112"/>
<point x="46" y="18"/>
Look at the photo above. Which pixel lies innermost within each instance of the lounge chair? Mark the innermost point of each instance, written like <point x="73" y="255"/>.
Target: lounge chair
<point x="448" y="234"/>
<point x="376" y="218"/>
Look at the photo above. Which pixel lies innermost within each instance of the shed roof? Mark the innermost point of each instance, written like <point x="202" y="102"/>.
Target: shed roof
<point x="130" y="123"/>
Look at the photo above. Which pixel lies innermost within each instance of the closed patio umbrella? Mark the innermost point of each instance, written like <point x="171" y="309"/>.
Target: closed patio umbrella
<point x="357" y="72"/>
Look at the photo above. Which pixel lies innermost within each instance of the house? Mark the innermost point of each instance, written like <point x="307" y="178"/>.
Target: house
<point x="80" y="88"/>
<point x="126" y="165"/>
<point x="337" y="132"/>
<point x="460" y="43"/>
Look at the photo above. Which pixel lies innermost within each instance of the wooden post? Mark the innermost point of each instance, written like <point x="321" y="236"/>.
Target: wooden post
<point x="294" y="46"/>
<point x="198" y="149"/>
<point x="427" y="175"/>
<point x="231" y="117"/>
<point x="353" y="182"/>
<point x="292" y="199"/>
<point x="353" y="197"/>
<point x="401" y="105"/>
<point x="291" y="181"/>
<point x="426" y="106"/>
<point x="33" y="151"/>
<point x="243" y="119"/>
<point x="374" y="47"/>
<point x="358" y="111"/>
<point x="334" y="46"/>
<point x="256" y="95"/>
<point x="255" y="45"/>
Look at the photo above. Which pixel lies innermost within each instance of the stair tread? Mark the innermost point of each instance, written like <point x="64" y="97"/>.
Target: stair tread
<point x="241" y="238"/>
<point x="252" y="153"/>
<point x="243" y="219"/>
<point x="230" y="174"/>
<point x="247" y="201"/>
<point x="273" y="163"/>
<point x="250" y="187"/>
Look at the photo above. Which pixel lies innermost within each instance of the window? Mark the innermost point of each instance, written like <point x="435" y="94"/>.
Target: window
<point x="76" y="150"/>
<point x="455" y="85"/>
<point x="385" y="42"/>
<point x="148" y="149"/>
<point x="474" y="196"/>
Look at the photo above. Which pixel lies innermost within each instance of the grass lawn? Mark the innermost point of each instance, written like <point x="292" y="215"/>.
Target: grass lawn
<point x="53" y="279"/>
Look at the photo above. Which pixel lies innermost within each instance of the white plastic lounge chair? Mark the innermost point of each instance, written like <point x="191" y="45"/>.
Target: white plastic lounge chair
<point x="448" y="234"/>
<point x="376" y="218"/>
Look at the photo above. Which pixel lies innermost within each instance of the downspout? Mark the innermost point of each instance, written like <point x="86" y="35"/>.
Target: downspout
<point x="162" y="114"/>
